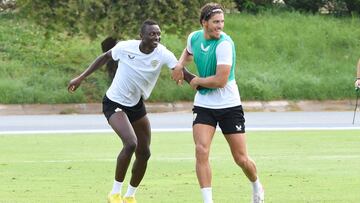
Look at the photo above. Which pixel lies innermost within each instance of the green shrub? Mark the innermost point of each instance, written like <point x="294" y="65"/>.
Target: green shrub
<point x="353" y="5"/>
<point x="279" y="56"/>
<point x="119" y="19"/>
<point x="312" y="6"/>
<point x="253" y="6"/>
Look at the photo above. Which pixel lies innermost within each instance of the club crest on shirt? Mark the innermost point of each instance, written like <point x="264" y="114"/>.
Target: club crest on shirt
<point x="154" y="63"/>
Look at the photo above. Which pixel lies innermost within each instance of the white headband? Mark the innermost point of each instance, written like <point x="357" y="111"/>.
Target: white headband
<point x="213" y="11"/>
<point x="216" y="10"/>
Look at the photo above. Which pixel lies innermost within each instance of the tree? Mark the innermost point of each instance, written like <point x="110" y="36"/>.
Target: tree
<point x="114" y="18"/>
<point x="312" y="6"/>
<point x="253" y="6"/>
<point x="7" y="5"/>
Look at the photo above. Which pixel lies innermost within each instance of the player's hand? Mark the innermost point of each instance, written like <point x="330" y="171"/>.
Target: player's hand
<point x="74" y="84"/>
<point x="177" y="74"/>
<point x="357" y="83"/>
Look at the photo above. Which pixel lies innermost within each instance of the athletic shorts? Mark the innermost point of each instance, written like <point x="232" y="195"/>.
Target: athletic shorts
<point x="231" y="120"/>
<point x="134" y="113"/>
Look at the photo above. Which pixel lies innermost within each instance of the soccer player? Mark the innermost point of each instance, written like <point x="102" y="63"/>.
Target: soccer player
<point x="218" y="103"/>
<point x="357" y="80"/>
<point x="139" y="66"/>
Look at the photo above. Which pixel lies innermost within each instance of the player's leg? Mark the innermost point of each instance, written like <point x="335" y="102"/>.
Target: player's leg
<point x="237" y="143"/>
<point x="121" y="125"/>
<point x="203" y="135"/>
<point x="142" y="152"/>
<point x="141" y="126"/>
<point x="142" y="155"/>
<point x="232" y="124"/>
<point x="204" y="126"/>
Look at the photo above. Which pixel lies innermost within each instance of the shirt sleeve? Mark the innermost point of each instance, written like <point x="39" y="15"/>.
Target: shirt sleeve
<point x="116" y="51"/>
<point x="224" y="53"/>
<point x="170" y="59"/>
<point x="188" y="45"/>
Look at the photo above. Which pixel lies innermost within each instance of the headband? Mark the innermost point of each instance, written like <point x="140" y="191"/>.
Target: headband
<point x="213" y="11"/>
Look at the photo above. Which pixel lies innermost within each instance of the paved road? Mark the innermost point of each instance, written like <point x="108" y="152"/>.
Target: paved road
<point x="178" y="121"/>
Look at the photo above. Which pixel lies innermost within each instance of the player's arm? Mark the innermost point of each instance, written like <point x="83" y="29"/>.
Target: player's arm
<point x="224" y="58"/>
<point x="180" y="72"/>
<point x="188" y="76"/>
<point x="96" y="64"/>
<point x="177" y="72"/>
<point x="218" y="80"/>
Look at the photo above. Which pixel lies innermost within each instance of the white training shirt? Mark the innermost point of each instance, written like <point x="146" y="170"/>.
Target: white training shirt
<point x="137" y="72"/>
<point x="219" y="98"/>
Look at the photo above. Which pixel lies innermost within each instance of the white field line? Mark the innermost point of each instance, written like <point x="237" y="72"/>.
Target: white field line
<point x="172" y="130"/>
<point x="185" y="158"/>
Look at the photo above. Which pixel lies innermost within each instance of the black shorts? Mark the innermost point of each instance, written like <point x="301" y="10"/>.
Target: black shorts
<point x="231" y="120"/>
<point x="134" y="113"/>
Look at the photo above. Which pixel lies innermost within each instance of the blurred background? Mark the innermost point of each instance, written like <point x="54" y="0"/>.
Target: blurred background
<point x="286" y="50"/>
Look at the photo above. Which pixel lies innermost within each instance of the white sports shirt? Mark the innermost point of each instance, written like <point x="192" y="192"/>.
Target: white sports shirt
<point x="137" y="72"/>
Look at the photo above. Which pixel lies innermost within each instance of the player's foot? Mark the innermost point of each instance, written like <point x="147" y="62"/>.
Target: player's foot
<point x="114" y="198"/>
<point x="129" y="200"/>
<point x="259" y="197"/>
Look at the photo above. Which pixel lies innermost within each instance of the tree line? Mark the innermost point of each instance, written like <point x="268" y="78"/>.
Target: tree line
<point x="120" y="19"/>
<point x="334" y="7"/>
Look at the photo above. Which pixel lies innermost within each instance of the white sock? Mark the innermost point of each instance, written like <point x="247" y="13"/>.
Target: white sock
<point x="130" y="191"/>
<point x="256" y="185"/>
<point x="207" y="194"/>
<point x="116" y="187"/>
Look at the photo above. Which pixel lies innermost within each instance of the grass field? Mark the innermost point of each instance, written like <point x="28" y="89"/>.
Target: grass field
<point x="296" y="166"/>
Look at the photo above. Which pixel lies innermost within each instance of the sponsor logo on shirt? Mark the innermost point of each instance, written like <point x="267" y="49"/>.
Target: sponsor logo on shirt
<point x="205" y="49"/>
<point x="131" y="57"/>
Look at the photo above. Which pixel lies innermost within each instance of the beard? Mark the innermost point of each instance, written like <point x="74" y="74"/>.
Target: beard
<point x="214" y="33"/>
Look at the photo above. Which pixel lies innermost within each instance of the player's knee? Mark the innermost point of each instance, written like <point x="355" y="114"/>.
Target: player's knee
<point x="143" y="154"/>
<point x="202" y="152"/>
<point x="241" y="161"/>
<point x="130" y="147"/>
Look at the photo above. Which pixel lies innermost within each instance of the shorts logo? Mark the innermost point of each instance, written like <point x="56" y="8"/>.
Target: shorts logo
<point x="118" y="110"/>
<point x="154" y="63"/>
<point x="194" y="116"/>
<point x="238" y="127"/>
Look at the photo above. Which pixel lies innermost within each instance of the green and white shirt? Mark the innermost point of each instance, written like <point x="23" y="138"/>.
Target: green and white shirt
<point x="207" y="55"/>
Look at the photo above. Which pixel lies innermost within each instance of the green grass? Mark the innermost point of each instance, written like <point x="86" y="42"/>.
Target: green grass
<point x="280" y="55"/>
<point x="295" y="56"/>
<point x="36" y="69"/>
<point x="296" y="167"/>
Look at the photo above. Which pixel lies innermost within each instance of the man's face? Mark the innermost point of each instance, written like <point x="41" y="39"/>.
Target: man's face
<point x="214" y="26"/>
<point x="151" y="36"/>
